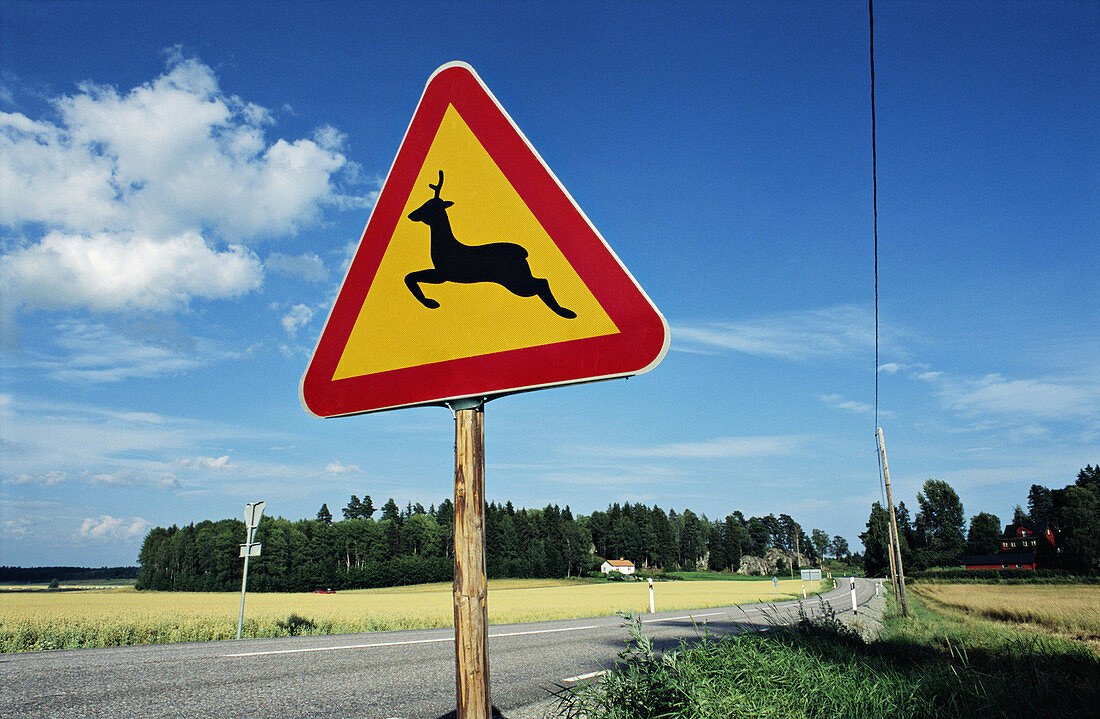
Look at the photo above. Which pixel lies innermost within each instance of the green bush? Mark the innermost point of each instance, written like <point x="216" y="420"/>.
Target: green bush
<point x="926" y="667"/>
<point x="295" y="625"/>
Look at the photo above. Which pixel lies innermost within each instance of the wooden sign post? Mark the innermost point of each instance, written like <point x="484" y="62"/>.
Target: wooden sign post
<point x="470" y="586"/>
<point x="386" y="344"/>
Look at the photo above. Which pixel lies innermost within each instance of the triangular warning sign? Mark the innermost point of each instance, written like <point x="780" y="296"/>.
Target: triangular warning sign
<point x="477" y="274"/>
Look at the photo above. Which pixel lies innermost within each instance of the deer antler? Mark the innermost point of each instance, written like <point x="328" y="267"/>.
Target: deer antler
<point x="438" y="187"/>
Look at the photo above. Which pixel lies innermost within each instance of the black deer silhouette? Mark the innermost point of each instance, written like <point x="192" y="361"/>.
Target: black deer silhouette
<point x="501" y="262"/>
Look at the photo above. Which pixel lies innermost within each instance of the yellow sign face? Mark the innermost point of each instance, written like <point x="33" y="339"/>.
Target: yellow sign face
<point x="395" y="330"/>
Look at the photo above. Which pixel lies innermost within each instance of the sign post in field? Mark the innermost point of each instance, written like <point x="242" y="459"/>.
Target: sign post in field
<point x="811" y="576"/>
<point x="252" y="513"/>
<point x="477" y="276"/>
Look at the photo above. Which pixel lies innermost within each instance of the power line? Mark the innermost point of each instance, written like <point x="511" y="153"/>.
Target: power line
<point x="874" y="204"/>
<point x="874" y="184"/>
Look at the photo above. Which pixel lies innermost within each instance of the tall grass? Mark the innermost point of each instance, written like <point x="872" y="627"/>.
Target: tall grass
<point x="95" y="618"/>
<point x="1074" y="610"/>
<point x="927" y="666"/>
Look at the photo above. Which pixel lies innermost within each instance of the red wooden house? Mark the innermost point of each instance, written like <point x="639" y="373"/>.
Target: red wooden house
<point x="1022" y="547"/>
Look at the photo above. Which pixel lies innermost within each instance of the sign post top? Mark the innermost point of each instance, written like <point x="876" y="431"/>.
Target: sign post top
<point x="477" y="274"/>
<point x="252" y="513"/>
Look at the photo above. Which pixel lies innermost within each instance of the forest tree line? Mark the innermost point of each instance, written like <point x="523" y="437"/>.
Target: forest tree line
<point x="938" y="536"/>
<point x="415" y="545"/>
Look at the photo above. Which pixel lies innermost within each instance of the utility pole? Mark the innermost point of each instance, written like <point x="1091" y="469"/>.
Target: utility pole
<point x="895" y="543"/>
<point x="890" y="535"/>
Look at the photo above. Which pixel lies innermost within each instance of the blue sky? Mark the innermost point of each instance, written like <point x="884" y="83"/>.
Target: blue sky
<point x="183" y="185"/>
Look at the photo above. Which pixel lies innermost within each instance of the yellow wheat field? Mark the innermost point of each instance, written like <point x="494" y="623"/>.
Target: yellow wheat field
<point x="114" y="617"/>
<point x="1072" y="609"/>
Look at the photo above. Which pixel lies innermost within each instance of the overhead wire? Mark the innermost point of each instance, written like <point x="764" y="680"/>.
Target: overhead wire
<point x="874" y="205"/>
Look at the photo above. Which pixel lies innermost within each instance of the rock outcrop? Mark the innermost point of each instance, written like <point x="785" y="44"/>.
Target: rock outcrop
<point x="774" y="562"/>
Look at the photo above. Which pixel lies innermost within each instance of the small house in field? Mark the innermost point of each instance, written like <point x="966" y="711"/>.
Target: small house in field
<point x="622" y="566"/>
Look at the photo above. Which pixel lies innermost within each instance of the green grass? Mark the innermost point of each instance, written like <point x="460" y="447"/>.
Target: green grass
<point x="926" y="666"/>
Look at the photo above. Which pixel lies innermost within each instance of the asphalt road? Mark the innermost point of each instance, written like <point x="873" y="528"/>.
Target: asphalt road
<point x="371" y="676"/>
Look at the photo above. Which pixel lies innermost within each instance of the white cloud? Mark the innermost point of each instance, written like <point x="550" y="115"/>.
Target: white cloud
<point x="129" y="191"/>
<point x="298" y="316"/>
<point x="720" y="447"/>
<point x="105" y="446"/>
<point x="338" y="468"/>
<point x="1039" y="398"/>
<point x="108" y="272"/>
<point x="131" y="478"/>
<point x="212" y="463"/>
<point x="994" y="394"/>
<point x="107" y="527"/>
<point x="307" y="267"/>
<point x="18" y="527"/>
<point x="96" y="352"/>
<point x="175" y="153"/>
<point x="43" y="479"/>
<point x="836" y="332"/>
<point x="837" y="401"/>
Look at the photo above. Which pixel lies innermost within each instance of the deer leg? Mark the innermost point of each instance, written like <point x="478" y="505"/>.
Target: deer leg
<point x="431" y="277"/>
<point x="542" y="289"/>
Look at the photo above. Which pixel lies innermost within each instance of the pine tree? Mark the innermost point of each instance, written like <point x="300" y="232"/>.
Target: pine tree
<point x="354" y="507"/>
<point x="1019" y="516"/>
<point x="323" y="515"/>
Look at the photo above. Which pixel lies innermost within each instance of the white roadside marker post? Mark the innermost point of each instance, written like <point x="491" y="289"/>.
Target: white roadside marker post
<point x="651" y="609"/>
<point x="855" y="608"/>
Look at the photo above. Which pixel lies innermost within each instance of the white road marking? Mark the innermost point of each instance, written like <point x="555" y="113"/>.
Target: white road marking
<point x="544" y="631"/>
<point x="451" y="639"/>
<point x="686" y="616"/>
<point x="405" y="642"/>
<point x="345" y="646"/>
<point x="582" y="677"/>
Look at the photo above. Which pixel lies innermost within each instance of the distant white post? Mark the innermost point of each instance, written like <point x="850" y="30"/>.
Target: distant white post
<point x="855" y="608"/>
<point x="651" y="609"/>
<point x="252" y="513"/>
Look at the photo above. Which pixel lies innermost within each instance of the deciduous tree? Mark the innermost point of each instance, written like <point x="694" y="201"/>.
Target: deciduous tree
<point x="940" y="522"/>
<point x="984" y="536"/>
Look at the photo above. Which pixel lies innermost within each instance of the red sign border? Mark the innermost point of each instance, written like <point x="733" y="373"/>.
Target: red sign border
<point x="643" y="337"/>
